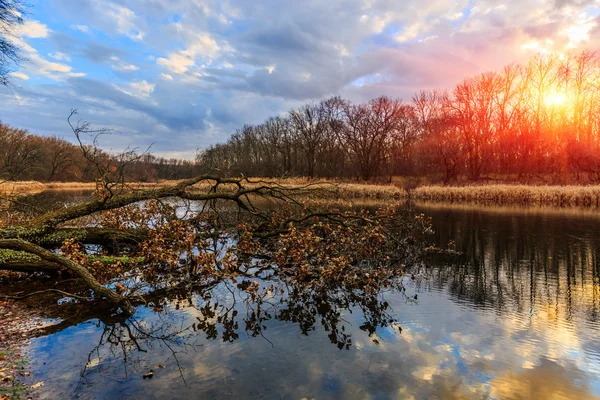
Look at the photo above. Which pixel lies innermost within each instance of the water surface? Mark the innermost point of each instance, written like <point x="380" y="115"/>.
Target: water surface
<point x="518" y="318"/>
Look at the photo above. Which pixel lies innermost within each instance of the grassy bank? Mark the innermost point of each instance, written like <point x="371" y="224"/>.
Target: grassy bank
<point x="32" y="187"/>
<point x="556" y="196"/>
<point x="327" y="188"/>
<point x="500" y="194"/>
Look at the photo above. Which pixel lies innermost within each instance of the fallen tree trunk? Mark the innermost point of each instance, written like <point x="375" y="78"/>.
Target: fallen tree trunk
<point x="100" y="236"/>
<point x="31" y="240"/>
<point x="61" y="261"/>
<point x="18" y="261"/>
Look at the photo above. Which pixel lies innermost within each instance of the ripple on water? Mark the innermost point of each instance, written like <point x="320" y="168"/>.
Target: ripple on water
<point x="519" y="319"/>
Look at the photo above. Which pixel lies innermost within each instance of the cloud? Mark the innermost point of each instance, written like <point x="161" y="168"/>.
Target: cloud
<point x="163" y="64"/>
<point x="81" y="28"/>
<point x="201" y="45"/>
<point x="119" y="65"/>
<point x="100" y="53"/>
<point x="19" y="75"/>
<point x="124" y="19"/>
<point x="140" y="89"/>
<point x="32" y="29"/>
<point x="36" y="64"/>
<point x="52" y="70"/>
<point x="59" y="56"/>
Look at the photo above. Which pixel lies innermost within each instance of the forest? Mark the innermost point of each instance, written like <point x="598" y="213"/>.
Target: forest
<point x="26" y="156"/>
<point x="529" y="122"/>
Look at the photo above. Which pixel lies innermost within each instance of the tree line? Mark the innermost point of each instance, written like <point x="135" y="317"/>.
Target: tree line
<point x="530" y="121"/>
<point x="26" y="156"/>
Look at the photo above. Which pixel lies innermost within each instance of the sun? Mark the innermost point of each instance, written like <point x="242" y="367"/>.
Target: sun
<point x="555" y="99"/>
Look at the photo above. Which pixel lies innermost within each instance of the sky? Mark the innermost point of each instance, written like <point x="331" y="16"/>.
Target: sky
<point x="180" y="75"/>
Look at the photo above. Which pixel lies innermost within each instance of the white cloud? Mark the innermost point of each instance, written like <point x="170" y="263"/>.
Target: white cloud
<point x="410" y="32"/>
<point x="19" y="75"/>
<point x="81" y="28"/>
<point x="579" y="33"/>
<point x="123" y="20"/>
<point x="59" y="56"/>
<point x="141" y="89"/>
<point x="201" y="45"/>
<point x="37" y="65"/>
<point x="119" y="65"/>
<point x="166" y="76"/>
<point x="32" y="29"/>
<point x="50" y="69"/>
<point x="178" y="62"/>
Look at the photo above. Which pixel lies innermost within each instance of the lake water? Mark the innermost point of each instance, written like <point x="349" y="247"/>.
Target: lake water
<point x="519" y="318"/>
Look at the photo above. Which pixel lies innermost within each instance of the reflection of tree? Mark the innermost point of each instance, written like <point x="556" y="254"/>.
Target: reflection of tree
<point x="124" y="338"/>
<point x="521" y="264"/>
<point x="182" y="320"/>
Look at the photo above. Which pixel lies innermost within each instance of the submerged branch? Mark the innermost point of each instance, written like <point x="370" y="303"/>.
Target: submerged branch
<point x="71" y="266"/>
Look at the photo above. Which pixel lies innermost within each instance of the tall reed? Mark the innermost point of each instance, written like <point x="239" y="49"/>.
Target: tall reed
<point x="558" y="196"/>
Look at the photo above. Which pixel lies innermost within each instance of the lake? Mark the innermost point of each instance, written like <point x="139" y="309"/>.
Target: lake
<point x="517" y="318"/>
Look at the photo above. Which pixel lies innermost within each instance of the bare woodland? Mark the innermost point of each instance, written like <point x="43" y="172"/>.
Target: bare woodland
<point x="521" y="123"/>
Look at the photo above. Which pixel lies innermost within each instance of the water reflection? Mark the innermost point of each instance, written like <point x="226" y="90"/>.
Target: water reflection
<point x="176" y="337"/>
<point x="518" y="318"/>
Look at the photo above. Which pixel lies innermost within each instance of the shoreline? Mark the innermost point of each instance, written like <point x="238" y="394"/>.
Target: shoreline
<point x="516" y="195"/>
<point x="348" y="190"/>
<point x="575" y="196"/>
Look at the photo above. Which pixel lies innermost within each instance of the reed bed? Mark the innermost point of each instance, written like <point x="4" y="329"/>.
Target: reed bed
<point x="19" y="188"/>
<point x="325" y="188"/>
<point x="318" y="188"/>
<point x="556" y="196"/>
<point x="92" y="185"/>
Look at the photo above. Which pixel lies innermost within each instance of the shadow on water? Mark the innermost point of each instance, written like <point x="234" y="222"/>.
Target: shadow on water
<point x="517" y="319"/>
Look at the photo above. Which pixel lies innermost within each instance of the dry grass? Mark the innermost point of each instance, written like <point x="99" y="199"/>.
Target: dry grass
<point x="326" y="188"/>
<point x="22" y="187"/>
<point x="557" y="196"/>
<point x="92" y="185"/>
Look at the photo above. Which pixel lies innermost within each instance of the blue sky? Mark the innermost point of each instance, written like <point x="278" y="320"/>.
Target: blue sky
<point x="183" y="74"/>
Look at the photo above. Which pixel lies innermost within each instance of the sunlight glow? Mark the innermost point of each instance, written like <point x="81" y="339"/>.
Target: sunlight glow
<point x="555" y="99"/>
<point x="578" y="34"/>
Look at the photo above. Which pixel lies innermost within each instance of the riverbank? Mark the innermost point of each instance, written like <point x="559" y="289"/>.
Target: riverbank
<point x="18" y="323"/>
<point x="33" y="187"/>
<point x="521" y="195"/>
<point x="580" y="196"/>
<point x="339" y="189"/>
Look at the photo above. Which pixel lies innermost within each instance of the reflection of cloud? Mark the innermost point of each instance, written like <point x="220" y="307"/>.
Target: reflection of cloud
<point x="547" y="381"/>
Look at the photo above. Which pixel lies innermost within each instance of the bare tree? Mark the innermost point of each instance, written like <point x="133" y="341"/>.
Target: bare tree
<point x="11" y="15"/>
<point x="310" y="124"/>
<point x="369" y="131"/>
<point x="18" y="152"/>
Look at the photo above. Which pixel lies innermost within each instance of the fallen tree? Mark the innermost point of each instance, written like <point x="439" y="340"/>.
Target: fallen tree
<point x="126" y="242"/>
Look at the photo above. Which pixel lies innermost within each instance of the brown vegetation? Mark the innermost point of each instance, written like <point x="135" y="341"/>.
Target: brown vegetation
<point x="330" y="187"/>
<point x="557" y="196"/>
<point x="25" y="156"/>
